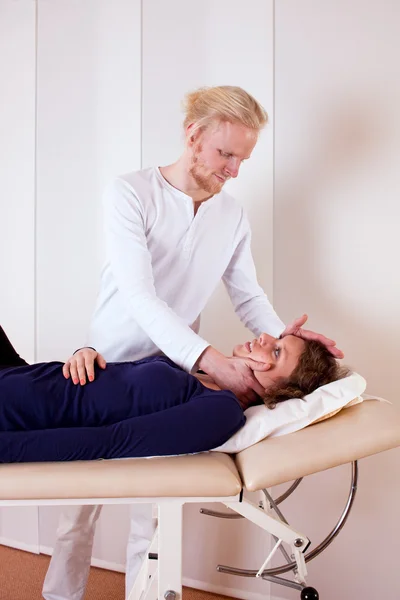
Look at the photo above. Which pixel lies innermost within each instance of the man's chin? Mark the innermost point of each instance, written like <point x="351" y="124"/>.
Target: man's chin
<point x="213" y="187"/>
<point x="212" y="184"/>
<point x="219" y="183"/>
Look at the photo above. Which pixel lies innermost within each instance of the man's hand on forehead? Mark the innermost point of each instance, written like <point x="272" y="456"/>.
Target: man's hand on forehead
<point x="296" y="328"/>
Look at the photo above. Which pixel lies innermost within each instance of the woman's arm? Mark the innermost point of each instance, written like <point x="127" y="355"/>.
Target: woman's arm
<point x="8" y="355"/>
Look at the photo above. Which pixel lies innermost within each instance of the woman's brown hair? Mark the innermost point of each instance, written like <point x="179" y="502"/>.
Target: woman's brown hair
<point x="316" y="367"/>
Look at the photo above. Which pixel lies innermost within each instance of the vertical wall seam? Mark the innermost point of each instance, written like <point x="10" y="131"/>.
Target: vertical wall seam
<point x="273" y="148"/>
<point x="35" y="294"/>
<point x="141" y="83"/>
<point x="35" y="269"/>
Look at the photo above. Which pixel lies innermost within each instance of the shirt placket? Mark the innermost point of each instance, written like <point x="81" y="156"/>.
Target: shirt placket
<point x="194" y="222"/>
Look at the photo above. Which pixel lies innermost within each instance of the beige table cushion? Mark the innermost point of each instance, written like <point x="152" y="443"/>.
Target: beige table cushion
<point x="207" y="474"/>
<point x="353" y="433"/>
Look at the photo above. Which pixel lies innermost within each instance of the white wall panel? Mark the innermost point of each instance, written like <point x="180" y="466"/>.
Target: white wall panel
<point x="336" y="248"/>
<point x="186" y="45"/>
<point x="88" y="131"/>
<point x="17" y="172"/>
<point x="18" y="526"/>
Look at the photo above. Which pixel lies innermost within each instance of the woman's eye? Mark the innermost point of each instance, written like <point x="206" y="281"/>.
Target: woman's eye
<point x="277" y="351"/>
<point x="224" y="154"/>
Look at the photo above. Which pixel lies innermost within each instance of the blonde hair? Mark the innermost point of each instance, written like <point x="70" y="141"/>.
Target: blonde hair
<point x="223" y="103"/>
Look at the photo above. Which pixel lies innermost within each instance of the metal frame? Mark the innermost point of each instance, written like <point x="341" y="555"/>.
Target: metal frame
<point x="161" y="573"/>
<point x="291" y="565"/>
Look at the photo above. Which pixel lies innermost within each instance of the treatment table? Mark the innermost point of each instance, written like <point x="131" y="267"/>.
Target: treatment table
<point x="170" y="482"/>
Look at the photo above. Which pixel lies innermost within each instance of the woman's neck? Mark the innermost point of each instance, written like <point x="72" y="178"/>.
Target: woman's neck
<point x="207" y="381"/>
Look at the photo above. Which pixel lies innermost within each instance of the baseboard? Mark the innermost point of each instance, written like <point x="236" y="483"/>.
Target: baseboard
<point x="192" y="583"/>
<point x="110" y="566"/>
<point x="226" y="591"/>
<point x="95" y="562"/>
<point x="19" y="545"/>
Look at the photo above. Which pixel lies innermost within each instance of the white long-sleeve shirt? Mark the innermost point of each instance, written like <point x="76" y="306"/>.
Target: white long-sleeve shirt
<point x="163" y="264"/>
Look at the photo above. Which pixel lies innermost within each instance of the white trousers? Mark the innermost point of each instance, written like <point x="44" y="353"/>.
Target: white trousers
<point x="69" y="567"/>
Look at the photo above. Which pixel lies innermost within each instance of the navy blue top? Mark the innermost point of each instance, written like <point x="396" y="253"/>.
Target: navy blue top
<point x="150" y="407"/>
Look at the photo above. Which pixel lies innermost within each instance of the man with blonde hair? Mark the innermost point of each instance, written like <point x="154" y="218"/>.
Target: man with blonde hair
<point x="172" y="233"/>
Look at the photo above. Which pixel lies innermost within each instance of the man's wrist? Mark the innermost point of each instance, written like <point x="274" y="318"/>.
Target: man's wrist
<point x="85" y="348"/>
<point x="208" y="359"/>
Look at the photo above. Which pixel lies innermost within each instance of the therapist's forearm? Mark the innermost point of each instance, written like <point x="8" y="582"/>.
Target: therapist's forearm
<point x="209" y="360"/>
<point x="224" y="370"/>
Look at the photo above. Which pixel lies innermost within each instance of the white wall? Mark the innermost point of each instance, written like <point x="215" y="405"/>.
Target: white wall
<point x="89" y="130"/>
<point x="17" y="172"/>
<point x="17" y="208"/>
<point x="336" y="248"/>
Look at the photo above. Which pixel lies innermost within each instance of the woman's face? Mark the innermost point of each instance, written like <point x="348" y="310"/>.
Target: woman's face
<point x="281" y="356"/>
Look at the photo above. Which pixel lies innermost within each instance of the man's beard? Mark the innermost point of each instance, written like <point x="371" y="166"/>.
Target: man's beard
<point x="208" y="183"/>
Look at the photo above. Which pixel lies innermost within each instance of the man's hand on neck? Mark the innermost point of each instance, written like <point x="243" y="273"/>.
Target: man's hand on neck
<point x="233" y="373"/>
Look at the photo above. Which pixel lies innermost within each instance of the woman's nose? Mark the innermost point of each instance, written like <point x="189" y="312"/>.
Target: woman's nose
<point x="265" y="339"/>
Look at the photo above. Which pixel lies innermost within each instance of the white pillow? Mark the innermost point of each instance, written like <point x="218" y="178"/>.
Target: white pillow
<point x="294" y="414"/>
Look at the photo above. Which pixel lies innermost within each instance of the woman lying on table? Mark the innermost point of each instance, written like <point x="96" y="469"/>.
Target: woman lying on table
<point x="150" y="407"/>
